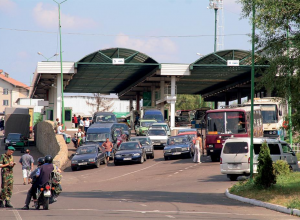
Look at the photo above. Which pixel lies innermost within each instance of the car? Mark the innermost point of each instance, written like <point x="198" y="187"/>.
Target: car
<point x="182" y="121"/>
<point x="146" y="144"/>
<point x="158" y="136"/>
<point x="88" y="155"/>
<point x="162" y="125"/>
<point x="16" y="140"/>
<point x="192" y="136"/>
<point x="124" y="128"/>
<point x="142" y="126"/>
<point x="178" y="146"/>
<point x="130" y="151"/>
<point x="123" y="121"/>
<point x="104" y="117"/>
<point x="187" y="130"/>
<point x="235" y="155"/>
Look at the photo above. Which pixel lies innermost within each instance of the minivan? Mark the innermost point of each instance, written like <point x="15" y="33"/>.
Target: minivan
<point x="104" y="117"/>
<point x="153" y="114"/>
<point x="235" y="155"/>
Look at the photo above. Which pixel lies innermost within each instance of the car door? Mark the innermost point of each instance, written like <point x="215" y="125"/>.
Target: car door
<point x="275" y="151"/>
<point x="288" y="154"/>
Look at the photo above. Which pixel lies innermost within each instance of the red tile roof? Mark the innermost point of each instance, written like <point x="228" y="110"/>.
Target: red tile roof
<point x="14" y="82"/>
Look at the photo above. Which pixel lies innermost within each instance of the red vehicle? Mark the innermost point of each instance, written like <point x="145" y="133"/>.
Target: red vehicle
<point x="227" y="123"/>
<point x="119" y="136"/>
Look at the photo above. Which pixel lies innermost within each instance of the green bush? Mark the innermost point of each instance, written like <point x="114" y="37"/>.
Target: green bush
<point x="281" y="167"/>
<point x="265" y="176"/>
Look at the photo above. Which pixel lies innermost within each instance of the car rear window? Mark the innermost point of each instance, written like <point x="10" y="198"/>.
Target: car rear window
<point x="235" y="148"/>
<point x="274" y="149"/>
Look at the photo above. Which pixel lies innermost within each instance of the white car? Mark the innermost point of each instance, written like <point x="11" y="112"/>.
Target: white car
<point x="162" y="125"/>
<point x="158" y="136"/>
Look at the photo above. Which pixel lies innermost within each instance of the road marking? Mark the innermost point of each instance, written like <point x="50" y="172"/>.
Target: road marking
<point x="180" y="170"/>
<point x="176" y="173"/>
<point x="170" y="216"/>
<point x="17" y="215"/>
<point x="143" y="205"/>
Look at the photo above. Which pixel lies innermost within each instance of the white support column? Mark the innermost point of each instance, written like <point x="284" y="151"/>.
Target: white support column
<point x="152" y="96"/>
<point x="173" y="94"/>
<point x="57" y="99"/>
<point x="162" y="97"/>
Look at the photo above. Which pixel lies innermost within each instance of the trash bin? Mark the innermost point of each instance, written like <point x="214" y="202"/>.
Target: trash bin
<point x="68" y="139"/>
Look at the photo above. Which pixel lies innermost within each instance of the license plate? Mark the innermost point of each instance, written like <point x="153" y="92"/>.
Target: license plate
<point x="176" y="153"/>
<point x="211" y="150"/>
<point x="234" y="166"/>
<point x="84" y="163"/>
<point x="127" y="159"/>
<point x="47" y="193"/>
<point x="156" y="144"/>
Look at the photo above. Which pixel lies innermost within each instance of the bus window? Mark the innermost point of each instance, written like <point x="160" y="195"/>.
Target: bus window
<point x="236" y="122"/>
<point x="215" y="123"/>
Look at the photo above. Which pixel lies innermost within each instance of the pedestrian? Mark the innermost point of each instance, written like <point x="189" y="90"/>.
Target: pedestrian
<point x="86" y="124"/>
<point x="55" y="125"/>
<point x="30" y="192"/>
<point x="61" y="131"/>
<point x="7" y="164"/>
<point x="108" y="146"/>
<point x="81" y="124"/>
<point x="75" y="121"/>
<point x="27" y="165"/>
<point x="198" y="149"/>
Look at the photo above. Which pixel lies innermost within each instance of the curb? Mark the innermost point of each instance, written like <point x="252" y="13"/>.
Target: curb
<point x="277" y="208"/>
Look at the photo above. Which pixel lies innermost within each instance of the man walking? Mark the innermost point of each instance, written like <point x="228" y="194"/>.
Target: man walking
<point x="27" y="165"/>
<point x="108" y="146"/>
<point x="7" y="164"/>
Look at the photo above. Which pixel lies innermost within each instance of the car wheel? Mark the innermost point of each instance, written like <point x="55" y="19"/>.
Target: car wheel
<point x="98" y="163"/>
<point x="116" y="163"/>
<point x="142" y="160"/>
<point x="166" y="158"/>
<point x="152" y="156"/>
<point x="233" y="177"/>
<point x="74" y="168"/>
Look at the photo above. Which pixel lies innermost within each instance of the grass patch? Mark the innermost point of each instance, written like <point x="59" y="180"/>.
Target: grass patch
<point x="286" y="192"/>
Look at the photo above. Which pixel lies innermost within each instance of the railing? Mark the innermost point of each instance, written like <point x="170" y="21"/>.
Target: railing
<point x="296" y="148"/>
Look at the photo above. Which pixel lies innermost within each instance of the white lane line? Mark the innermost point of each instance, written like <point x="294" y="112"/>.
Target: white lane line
<point x="17" y="215"/>
<point x="180" y="170"/>
<point x="170" y="216"/>
<point x="143" y="205"/>
<point x="126" y="174"/>
<point x="176" y="173"/>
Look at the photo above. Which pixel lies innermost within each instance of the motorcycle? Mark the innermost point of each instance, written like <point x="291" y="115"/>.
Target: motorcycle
<point x="45" y="196"/>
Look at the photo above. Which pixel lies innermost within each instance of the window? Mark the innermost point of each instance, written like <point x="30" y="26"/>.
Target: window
<point x="68" y="115"/>
<point x="274" y="149"/>
<point x="50" y="114"/>
<point x="286" y="148"/>
<point x="5" y="91"/>
<point x="5" y="102"/>
<point x="236" y="148"/>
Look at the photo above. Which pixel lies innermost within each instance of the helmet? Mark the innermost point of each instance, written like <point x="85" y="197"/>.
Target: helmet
<point x="41" y="161"/>
<point x="48" y="159"/>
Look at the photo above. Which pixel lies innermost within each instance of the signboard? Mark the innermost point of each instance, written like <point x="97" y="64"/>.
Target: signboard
<point x="233" y="62"/>
<point x="118" y="61"/>
<point x="146" y="98"/>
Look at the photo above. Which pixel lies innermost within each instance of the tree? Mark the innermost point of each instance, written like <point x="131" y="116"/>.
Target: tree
<point x="275" y="20"/>
<point x="189" y="102"/>
<point x="100" y="103"/>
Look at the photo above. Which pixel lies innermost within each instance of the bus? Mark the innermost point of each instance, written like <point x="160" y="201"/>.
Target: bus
<point x="274" y="110"/>
<point x="229" y="123"/>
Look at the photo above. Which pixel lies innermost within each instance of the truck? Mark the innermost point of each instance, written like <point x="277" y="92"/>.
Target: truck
<point x="274" y="110"/>
<point x="17" y="120"/>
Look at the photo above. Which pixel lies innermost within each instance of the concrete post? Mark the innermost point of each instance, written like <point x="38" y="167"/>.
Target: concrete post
<point x="162" y="97"/>
<point x="138" y="101"/>
<point x="173" y="94"/>
<point x="57" y="99"/>
<point x="239" y="97"/>
<point x="152" y="96"/>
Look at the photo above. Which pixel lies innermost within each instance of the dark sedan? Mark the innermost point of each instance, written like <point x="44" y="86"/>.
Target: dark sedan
<point x="146" y="144"/>
<point x="16" y="140"/>
<point x="88" y="155"/>
<point x="178" y="146"/>
<point x="131" y="151"/>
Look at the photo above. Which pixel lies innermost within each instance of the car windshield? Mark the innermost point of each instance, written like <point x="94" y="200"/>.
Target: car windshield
<point x="105" y="118"/>
<point x="158" y="118"/>
<point x="143" y="141"/>
<point x="86" y="150"/>
<point x="157" y="132"/>
<point x="146" y="124"/>
<point x="122" y="126"/>
<point x="186" y="130"/>
<point x="178" y="140"/>
<point x="13" y="136"/>
<point x="161" y="126"/>
<point x="97" y="137"/>
<point x="129" y="146"/>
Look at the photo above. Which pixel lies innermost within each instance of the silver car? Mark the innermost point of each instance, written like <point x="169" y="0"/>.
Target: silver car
<point x="146" y="144"/>
<point x="162" y="125"/>
<point x="158" y="136"/>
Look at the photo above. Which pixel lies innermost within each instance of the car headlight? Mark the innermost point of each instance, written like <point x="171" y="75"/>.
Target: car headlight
<point x="136" y="154"/>
<point x="92" y="160"/>
<point x="117" y="155"/>
<point x="7" y="141"/>
<point x="274" y="132"/>
<point x="211" y="146"/>
<point x="74" y="161"/>
<point x="185" y="148"/>
<point x="167" y="151"/>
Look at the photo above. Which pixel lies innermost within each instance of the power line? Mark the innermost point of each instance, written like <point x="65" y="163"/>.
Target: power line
<point x="121" y="35"/>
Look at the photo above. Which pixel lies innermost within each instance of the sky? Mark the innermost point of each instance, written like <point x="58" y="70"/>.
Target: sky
<point x="169" y="31"/>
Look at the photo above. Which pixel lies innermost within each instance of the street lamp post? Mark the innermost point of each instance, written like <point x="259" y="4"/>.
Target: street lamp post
<point x="61" y="69"/>
<point x="39" y="53"/>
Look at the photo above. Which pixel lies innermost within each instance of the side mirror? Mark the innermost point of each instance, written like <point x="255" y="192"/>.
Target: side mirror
<point x="293" y="153"/>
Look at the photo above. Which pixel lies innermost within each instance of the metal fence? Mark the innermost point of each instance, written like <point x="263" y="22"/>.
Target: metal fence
<point x="296" y="148"/>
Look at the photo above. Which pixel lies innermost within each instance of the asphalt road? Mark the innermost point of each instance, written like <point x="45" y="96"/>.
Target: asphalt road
<point x="157" y="189"/>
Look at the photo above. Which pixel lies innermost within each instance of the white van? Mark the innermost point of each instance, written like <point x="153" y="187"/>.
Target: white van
<point x="235" y="155"/>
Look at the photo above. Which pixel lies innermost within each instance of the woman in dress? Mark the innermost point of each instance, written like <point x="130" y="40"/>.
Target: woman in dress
<point x="198" y="149"/>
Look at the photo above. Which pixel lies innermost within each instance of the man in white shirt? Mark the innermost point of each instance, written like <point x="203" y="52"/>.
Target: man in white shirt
<point x="86" y="124"/>
<point x="60" y="130"/>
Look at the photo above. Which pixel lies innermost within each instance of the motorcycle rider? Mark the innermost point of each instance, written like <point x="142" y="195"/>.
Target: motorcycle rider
<point x="34" y="182"/>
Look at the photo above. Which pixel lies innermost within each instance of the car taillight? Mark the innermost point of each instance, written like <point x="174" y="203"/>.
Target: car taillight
<point x="47" y="187"/>
<point x="220" y="160"/>
<point x="249" y="160"/>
